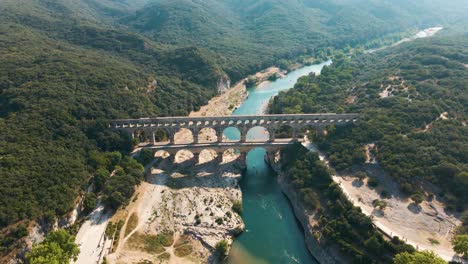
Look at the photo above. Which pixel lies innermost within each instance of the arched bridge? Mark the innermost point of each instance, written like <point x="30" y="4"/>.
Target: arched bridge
<point x="279" y="130"/>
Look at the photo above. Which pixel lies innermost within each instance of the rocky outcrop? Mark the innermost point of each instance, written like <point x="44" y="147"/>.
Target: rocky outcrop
<point x="323" y="254"/>
<point x="224" y="83"/>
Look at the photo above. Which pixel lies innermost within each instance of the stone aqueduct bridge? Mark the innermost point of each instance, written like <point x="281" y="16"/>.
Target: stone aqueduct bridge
<point x="271" y="123"/>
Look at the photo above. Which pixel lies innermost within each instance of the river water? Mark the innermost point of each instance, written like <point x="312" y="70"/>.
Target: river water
<point x="272" y="233"/>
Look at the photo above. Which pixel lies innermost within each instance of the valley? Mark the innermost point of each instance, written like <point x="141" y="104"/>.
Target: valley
<point x="74" y="190"/>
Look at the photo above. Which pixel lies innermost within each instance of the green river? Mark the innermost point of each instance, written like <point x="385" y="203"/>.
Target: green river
<point x="272" y="234"/>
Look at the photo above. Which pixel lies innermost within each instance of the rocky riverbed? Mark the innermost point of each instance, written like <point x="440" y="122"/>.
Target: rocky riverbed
<point x="182" y="211"/>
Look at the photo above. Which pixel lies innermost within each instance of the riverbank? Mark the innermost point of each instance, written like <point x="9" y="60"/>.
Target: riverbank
<point x="426" y="227"/>
<point x="188" y="203"/>
<point x="228" y="101"/>
<point x="324" y="254"/>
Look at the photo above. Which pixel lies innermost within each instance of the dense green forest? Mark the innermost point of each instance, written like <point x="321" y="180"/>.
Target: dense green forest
<point x="338" y="221"/>
<point x="253" y="34"/>
<point x="418" y="126"/>
<point x="61" y="75"/>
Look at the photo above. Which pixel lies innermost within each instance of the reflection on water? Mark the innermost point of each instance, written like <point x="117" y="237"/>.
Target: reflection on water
<point x="272" y="233"/>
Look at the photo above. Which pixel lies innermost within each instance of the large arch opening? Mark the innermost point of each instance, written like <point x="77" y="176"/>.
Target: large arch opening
<point x="257" y="133"/>
<point x="231" y="155"/>
<point x="307" y="133"/>
<point x="207" y="135"/>
<point x="183" y="155"/>
<point x="284" y="132"/>
<point x="209" y="155"/>
<point x="161" y="154"/>
<point x="183" y="136"/>
<point x="161" y="136"/>
<point x="232" y="134"/>
<point x="141" y="136"/>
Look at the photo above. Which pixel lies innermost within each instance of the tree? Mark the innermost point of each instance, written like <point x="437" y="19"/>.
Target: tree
<point x="145" y="156"/>
<point x="462" y="178"/>
<point x="58" y="247"/>
<point x="460" y="245"/>
<point x="417" y="197"/>
<point x="237" y="207"/>
<point x="90" y="202"/>
<point x="464" y="217"/>
<point x="373" y="244"/>
<point x="418" y="257"/>
<point x="222" y="247"/>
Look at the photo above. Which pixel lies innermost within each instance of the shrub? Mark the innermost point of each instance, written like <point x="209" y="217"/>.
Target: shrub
<point x="222" y="248"/>
<point x="237" y="207"/>
<point x="373" y="182"/>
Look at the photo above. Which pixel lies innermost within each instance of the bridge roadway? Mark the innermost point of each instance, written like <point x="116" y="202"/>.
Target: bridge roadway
<point x="220" y="147"/>
<point x="272" y="123"/>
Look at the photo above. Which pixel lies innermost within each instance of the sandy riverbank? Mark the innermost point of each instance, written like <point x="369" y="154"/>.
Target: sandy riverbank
<point x="225" y="103"/>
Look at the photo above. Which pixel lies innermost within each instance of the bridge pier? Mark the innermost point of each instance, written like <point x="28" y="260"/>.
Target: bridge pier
<point x="195" y="132"/>
<point x="171" y="137"/>
<point x="271" y="157"/>
<point x="151" y="135"/>
<point x="219" y="134"/>
<point x="171" y="158"/>
<point x="219" y="157"/>
<point x="272" y="135"/>
<point x="243" y="158"/>
<point x="243" y="136"/>
<point x="196" y="158"/>
<point x="294" y="134"/>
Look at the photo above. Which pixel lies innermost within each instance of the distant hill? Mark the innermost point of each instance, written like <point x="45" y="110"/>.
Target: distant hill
<point x="251" y="34"/>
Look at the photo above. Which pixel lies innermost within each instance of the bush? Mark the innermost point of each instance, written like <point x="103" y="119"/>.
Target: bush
<point x="237" y="207"/>
<point x="58" y="247"/>
<point x="417" y="197"/>
<point x="373" y="182"/>
<point x="222" y="248"/>
<point x="90" y="202"/>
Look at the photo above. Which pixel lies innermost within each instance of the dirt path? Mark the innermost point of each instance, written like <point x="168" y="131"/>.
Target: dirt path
<point x="90" y="237"/>
<point x="417" y="225"/>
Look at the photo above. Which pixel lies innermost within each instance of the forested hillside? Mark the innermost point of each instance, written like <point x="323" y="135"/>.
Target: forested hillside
<point x="252" y="34"/>
<point x="413" y="102"/>
<point x="61" y="72"/>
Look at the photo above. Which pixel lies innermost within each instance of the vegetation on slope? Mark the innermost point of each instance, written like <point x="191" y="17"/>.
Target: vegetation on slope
<point x="250" y="34"/>
<point x="58" y="247"/>
<point x="339" y="222"/>
<point x="415" y="141"/>
<point x="61" y="75"/>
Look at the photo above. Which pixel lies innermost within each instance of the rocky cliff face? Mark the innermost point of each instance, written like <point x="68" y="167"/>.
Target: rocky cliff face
<point x="323" y="254"/>
<point x="224" y="83"/>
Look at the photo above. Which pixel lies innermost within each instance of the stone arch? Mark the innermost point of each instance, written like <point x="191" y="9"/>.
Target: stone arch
<point x="163" y="154"/>
<point x="207" y="135"/>
<point x="161" y="136"/>
<point x="141" y="135"/>
<point x="232" y="133"/>
<point x="230" y="155"/>
<point x="257" y="133"/>
<point x="183" y="136"/>
<point x="284" y="131"/>
<point x="306" y="131"/>
<point x="210" y="155"/>
<point x="183" y="155"/>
